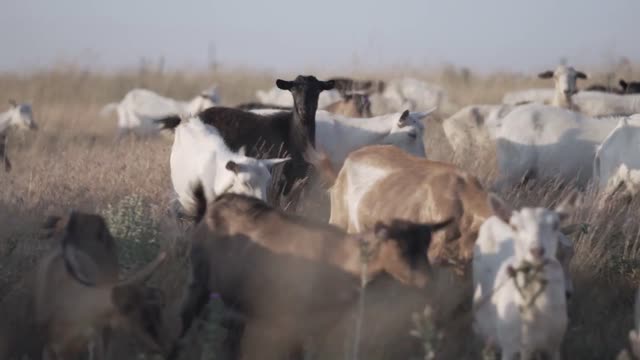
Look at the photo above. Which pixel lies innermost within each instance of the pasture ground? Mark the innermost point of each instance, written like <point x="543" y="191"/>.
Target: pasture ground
<point x="72" y="161"/>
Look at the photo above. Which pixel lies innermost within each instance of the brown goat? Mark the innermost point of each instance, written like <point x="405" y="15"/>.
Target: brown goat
<point x="355" y="106"/>
<point x="382" y="182"/>
<point x="78" y="295"/>
<point x="277" y="269"/>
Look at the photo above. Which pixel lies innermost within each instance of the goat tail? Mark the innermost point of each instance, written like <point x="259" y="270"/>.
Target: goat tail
<point x="169" y="122"/>
<point x="320" y="160"/>
<point x="441" y="225"/>
<point x="108" y="109"/>
<point x="197" y="191"/>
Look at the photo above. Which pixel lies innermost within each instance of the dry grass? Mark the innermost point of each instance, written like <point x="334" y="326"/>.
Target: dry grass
<point x="73" y="162"/>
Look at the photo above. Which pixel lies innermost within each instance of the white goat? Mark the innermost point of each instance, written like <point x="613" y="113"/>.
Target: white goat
<point x="140" y="107"/>
<point x="599" y="104"/>
<point x="565" y="78"/>
<point x="520" y="284"/>
<point x="548" y="142"/>
<point x="200" y="158"/>
<point x="617" y="160"/>
<point x="18" y="116"/>
<point x="338" y="136"/>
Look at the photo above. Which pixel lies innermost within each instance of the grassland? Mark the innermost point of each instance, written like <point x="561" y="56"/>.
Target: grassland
<point x="72" y="161"/>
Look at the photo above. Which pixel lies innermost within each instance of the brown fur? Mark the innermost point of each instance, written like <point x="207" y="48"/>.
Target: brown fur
<point x="355" y="106"/>
<point x="419" y="190"/>
<point x="277" y="268"/>
<point x="69" y="314"/>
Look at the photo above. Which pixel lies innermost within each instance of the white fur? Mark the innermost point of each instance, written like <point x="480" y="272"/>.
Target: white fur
<point x="338" y="136"/>
<point x="552" y="142"/>
<point x="501" y="313"/>
<point x="617" y="159"/>
<point x="598" y="104"/>
<point x="140" y="107"/>
<point x="362" y="177"/>
<point x="18" y="116"/>
<point x="539" y="95"/>
<point x="472" y="129"/>
<point x="199" y="155"/>
<point x="565" y="79"/>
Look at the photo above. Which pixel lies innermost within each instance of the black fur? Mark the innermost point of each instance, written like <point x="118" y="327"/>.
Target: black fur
<point x="270" y="136"/>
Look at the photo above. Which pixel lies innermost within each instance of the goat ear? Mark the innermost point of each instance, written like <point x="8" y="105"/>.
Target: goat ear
<point x="284" y="84"/>
<point x="402" y="121"/>
<point x="269" y="163"/>
<point x="13" y="103"/>
<point x="546" y="75"/>
<point x="327" y="85"/>
<point x="581" y="75"/>
<point x="233" y="167"/>
<point x="500" y="208"/>
<point x="170" y="122"/>
<point x="242" y="151"/>
<point x="623" y="84"/>
<point x="79" y="265"/>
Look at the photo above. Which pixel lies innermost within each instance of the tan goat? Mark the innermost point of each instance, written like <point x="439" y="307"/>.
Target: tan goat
<point x="78" y="295"/>
<point x="382" y="182"/>
<point x="277" y="269"/>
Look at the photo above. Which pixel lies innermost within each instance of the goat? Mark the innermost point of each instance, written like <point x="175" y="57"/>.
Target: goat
<point x="339" y="136"/>
<point x="140" y="107"/>
<point x="299" y="268"/>
<point x="521" y="281"/>
<point x="381" y="182"/>
<point x="199" y="154"/>
<point x="78" y="294"/>
<point x="565" y="78"/>
<point x="18" y="116"/>
<point x="616" y="160"/>
<point x="271" y="135"/>
<point x="548" y="142"/>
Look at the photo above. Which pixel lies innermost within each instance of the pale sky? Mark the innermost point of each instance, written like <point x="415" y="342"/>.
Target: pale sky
<point x="291" y="35"/>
